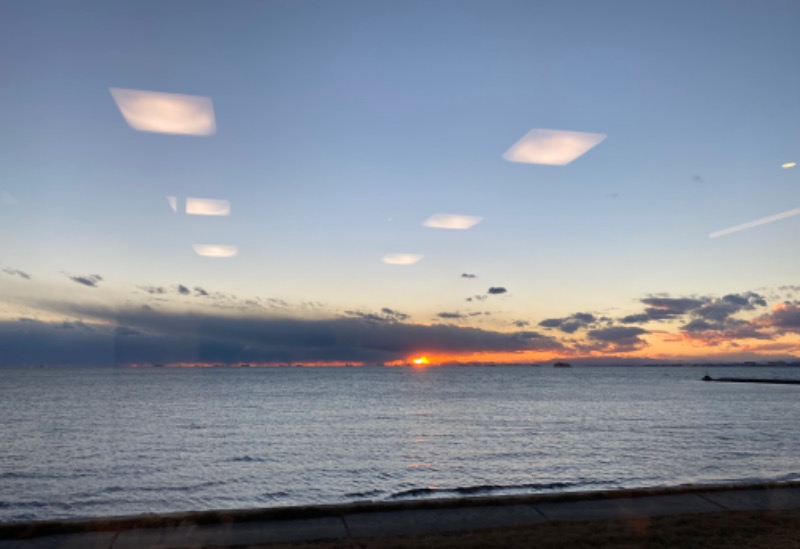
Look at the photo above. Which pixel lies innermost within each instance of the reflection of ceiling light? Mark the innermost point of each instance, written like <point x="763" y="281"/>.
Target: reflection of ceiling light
<point x="756" y="223"/>
<point x="789" y="165"/>
<point x="207" y="206"/>
<point x="447" y="221"/>
<point x="173" y="203"/>
<point x="159" y="112"/>
<point x="553" y="147"/>
<point x="401" y="259"/>
<point x="215" y="250"/>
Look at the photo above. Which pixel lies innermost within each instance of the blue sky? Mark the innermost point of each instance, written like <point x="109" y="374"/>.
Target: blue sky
<point x="342" y="126"/>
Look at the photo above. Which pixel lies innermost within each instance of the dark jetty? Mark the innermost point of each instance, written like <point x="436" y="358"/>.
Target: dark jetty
<point x="752" y="380"/>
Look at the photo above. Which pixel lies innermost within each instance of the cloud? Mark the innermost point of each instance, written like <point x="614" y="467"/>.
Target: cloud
<point x="496" y="290"/>
<point x="396" y="315"/>
<point x="451" y="315"/>
<point x="714" y="333"/>
<point x="179" y="289"/>
<point x="139" y="335"/>
<point x="618" y="339"/>
<point x="17" y="272"/>
<point x="153" y="290"/>
<point x="714" y="309"/>
<point x="570" y="324"/>
<point x="468" y="275"/>
<point x="87" y="280"/>
<point x="663" y="308"/>
<point x="784" y="317"/>
<point x="386" y="315"/>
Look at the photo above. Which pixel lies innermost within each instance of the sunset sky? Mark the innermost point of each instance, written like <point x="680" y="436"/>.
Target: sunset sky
<point x="374" y="181"/>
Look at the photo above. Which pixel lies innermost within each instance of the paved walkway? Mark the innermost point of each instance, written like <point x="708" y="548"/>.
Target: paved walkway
<point x="432" y="517"/>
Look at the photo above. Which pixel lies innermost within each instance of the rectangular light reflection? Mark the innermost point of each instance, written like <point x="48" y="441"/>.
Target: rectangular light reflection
<point x="401" y="259"/>
<point x="207" y="206"/>
<point x="215" y="250"/>
<point x="552" y="147"/>
<point x="756" y="223"/>
<point x="449" y="221"/>
<point x="158" y="112"/>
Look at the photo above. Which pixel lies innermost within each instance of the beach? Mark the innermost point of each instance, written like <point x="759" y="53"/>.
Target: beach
<point x="755" y="515"/>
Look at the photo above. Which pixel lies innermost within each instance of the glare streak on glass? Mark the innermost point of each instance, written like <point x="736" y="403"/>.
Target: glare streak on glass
<point x="159" y="112"/>
<point x="448" y="221"/>
<point x="207" y="206"/>
<point x="173" y="203"/>
<point x="401" y="259"/>
<point x="552" y="147"/>
<point x="215" y="250"/>
<point x="756" y="223"/>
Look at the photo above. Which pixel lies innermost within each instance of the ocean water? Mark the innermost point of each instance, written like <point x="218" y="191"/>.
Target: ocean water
<point x="99" y="442"/>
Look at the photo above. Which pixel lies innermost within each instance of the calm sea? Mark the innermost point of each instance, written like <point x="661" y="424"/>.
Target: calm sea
<point x="91" y="442"/>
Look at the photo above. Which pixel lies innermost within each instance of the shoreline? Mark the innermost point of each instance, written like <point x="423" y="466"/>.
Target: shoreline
<point x="209" y="518"/>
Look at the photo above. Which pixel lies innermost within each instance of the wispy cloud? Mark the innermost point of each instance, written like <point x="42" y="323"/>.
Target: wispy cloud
<point x="17" y="272"/>
<point x="87" y="280"/>
<point x="386" y="315"/>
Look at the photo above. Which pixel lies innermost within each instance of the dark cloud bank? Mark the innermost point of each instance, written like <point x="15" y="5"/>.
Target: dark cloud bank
<point x="143" y="335"/>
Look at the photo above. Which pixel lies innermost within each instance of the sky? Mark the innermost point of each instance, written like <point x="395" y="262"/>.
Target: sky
<point x="369" y="182"/>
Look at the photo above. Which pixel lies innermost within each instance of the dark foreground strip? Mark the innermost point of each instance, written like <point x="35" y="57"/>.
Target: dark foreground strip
<point x="587" y="503"/>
